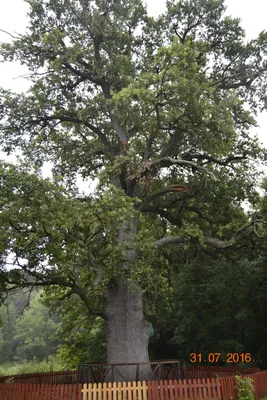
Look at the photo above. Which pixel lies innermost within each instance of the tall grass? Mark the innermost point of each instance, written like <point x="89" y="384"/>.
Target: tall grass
<point x="26" y="367"/>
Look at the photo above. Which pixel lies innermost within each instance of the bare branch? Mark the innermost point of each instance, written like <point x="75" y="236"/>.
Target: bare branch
<point x="190" y="156"/>
<point x="69" y="118"/>
<point x="14" y="37"/>
<point x="188" y="29"/>
<point x="168" y="162"/>
<point x="165" y="190"/>
<point x="169" y="240"/>
<point x="217" y="243"/>
<point x="32" y="75"/>
<point x="243" y="80"/>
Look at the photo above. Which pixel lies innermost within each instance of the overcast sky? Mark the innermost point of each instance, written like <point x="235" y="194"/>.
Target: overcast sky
<point x="13" y="19"/>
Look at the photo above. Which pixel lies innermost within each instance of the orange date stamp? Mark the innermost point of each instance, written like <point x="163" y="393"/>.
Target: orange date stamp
<point x="216" y="357"/>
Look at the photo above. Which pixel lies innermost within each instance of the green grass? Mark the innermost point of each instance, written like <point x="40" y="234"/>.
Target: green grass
<point x="27" y="367"/>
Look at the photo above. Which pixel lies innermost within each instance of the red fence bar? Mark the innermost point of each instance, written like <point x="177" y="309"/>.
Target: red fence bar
<point x="228" y="390"/>
<point x="21" y="391"/>
<point x="260" y="384"/>
<point x="191" y="389"/>
<point x="33" y="387"/>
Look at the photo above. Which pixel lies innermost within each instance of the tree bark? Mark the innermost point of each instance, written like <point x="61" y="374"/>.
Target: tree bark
<point x="127" y="331"/>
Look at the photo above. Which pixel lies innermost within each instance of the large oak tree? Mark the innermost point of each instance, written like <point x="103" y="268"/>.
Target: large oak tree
<point x="159" y="113"/>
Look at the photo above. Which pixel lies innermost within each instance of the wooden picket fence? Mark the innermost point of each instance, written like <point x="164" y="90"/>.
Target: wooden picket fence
<point x="260" y="384"/>
<point x="193" y="389"/>
<point x="259" y="379"/>
<point x="115" y="391"/>
<point x="222" y="388"/>
<point x="228" y="390"/>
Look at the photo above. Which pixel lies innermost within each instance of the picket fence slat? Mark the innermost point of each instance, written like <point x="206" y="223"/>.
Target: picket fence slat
<point x="115" y="391"/>
<point x="260" y="384"/>
<point x="198" y="389"/>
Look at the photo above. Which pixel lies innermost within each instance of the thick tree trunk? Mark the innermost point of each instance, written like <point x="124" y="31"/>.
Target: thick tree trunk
<point x="127" y="332"/>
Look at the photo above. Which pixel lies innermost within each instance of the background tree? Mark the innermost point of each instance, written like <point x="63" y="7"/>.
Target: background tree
<point x="35" y="332"/>
<point x="28" y="332"/>
<point x="8" y="330"/>
<point x="159" y="111"/>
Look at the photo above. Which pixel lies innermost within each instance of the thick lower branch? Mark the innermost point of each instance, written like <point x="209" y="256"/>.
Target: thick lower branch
<point x="217" y="243"/>
<point x="175" y="139"/>
<point x="168" y="162"/>
<point x="41" y="281"/>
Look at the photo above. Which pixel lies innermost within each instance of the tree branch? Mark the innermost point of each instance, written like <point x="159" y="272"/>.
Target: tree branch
<point x="162" y="191"/>
<point x="244" y="80"/>
<point x="168" y="162"/>
<point x="197" y="211"/>
<point x="217" y="243"/>
<point x="164" y="214"/>
<point x="190" y="156"/>
<point x="41" y="280"/>
<point x="257" y="221"/>
<point x="172" y="143"/>
<point x="81" y="74"/>
<point x="65" y="118"/>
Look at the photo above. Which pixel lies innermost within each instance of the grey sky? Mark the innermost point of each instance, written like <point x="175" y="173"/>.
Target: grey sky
<point x="13" y="19"/>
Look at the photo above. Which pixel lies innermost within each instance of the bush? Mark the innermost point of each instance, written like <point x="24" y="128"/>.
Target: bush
<point x="245" y="388"/>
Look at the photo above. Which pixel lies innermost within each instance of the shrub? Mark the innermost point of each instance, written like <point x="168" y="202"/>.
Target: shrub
<point x="245" y="388"/>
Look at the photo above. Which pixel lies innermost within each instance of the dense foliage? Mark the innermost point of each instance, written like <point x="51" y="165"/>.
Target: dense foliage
<point x="158" y="112"/>
<point x="28" y="334"/>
